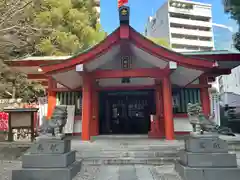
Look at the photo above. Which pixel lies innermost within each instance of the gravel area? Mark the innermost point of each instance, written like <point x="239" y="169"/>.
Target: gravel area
<point x="6" y="167"/>
<point x="88" y="173"/>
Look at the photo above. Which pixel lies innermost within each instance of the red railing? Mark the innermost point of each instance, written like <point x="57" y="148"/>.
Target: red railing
<point x="3" y="121"/>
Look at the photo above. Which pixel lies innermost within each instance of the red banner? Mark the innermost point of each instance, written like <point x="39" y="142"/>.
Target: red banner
<point x="122" y="2"/>
<point x="3" y="121"/>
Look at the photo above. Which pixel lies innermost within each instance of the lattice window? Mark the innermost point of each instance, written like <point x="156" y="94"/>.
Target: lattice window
<point x="183" y="96"/>
<point x="71" y="98"/>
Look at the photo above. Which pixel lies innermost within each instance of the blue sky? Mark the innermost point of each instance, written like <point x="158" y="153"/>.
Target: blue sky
<point x="141" y="9"/>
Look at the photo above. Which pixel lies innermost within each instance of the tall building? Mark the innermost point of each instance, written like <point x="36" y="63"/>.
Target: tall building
<point x="231" y="82"/>
<point x="223" y="37"/>
<point x="186" y="25"/>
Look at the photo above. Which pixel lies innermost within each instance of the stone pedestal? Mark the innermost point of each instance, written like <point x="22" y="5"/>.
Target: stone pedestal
<point x="48" y="159"/>
<point x="206" y="157"/>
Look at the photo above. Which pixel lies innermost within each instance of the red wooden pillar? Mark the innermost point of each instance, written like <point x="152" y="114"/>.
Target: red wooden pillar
<point x="157" y="126"/>
<point x="97" y="113"/>
<point x="204" y="95"/>
<point x="168" y="110"/>
<point x="160" y="109"/>
<point x="95" y="118"/>
<point x="51" y="97"/>
<point x="86" y="107"/>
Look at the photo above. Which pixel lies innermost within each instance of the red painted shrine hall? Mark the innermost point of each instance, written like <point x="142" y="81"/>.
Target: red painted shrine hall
<point x="117" y="84"/>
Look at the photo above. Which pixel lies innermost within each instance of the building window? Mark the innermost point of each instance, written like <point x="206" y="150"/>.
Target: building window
<point x="153" y="22"/>
<point x="183" y="96"/>
<point x="71" y="98"/>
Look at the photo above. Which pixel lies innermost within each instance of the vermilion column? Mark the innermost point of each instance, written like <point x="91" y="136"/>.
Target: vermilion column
<point x="204" y="95"/>
<point x="97" y="112"/>
<point x="86" y="107"/>
<point x="51" y="97"/>
<point x="157" y="126"/>
<point x="95" y="118"/>
<point x="168" y="110"/>
<point x="160" y="108"/>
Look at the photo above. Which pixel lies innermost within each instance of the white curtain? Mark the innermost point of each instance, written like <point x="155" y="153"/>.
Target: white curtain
<point x="43" y="108"/>
<point x="68" y="129"/>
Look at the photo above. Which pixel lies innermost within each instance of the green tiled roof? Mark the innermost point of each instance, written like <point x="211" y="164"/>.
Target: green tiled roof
<point x="210" y="52"/>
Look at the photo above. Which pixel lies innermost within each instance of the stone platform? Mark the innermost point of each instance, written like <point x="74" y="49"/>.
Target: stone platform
<point x="207" y="157"/>
<point x="48" y="159"/>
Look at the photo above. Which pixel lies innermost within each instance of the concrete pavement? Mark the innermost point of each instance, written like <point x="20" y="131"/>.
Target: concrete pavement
<point x="113" y="147"/>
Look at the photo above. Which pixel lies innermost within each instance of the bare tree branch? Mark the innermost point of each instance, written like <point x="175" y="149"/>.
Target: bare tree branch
<point x="16" y="11"/>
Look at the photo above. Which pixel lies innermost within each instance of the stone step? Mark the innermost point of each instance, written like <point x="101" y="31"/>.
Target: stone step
<point x="132" y="154"/>
<point x="207" y="159"/>
<point x="48" y="160"/>
<point x="136" y="148"/>
<point x="129" y="161"/>
<point x="47" y="173"/>
<point x="214" y="173"/>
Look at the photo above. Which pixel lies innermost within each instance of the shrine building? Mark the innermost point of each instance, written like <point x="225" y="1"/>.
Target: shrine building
<point x="119" y="83"/>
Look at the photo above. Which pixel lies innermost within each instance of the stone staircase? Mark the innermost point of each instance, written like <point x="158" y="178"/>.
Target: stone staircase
<point x="117" y="150"/>
<point x="121" y="157"/>
<point x="127" y="151"/>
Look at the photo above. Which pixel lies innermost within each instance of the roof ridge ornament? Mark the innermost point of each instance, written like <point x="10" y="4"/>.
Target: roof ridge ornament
<point x="124" y="12"/>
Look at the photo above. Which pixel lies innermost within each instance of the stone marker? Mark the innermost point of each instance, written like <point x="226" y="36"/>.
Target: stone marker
<point x="50" y="157"/>
<point x="206" y="157"/>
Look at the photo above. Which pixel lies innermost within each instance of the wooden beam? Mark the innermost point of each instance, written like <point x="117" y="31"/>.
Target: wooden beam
<point x="30" y="63"/>
<point x="219" y="57"/>
<point x="44" y="83"/>
<point x="199" y="86"/>
<point x="144" y="72"/>
<point x="218" y="72"/>
<point x="119" y="88"/>
<point x="36" y="76"/>
<point x="211" y="79"/>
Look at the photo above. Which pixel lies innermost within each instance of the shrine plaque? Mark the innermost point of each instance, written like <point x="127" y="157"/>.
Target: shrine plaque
<point x="19" y="119"/>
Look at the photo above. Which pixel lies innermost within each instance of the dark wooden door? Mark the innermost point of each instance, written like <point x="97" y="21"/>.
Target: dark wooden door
<point x="127" y="112"/>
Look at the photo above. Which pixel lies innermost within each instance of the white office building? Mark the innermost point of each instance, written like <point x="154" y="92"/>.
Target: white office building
<point x="186" y="25"/>
<point x="231" y="82"/>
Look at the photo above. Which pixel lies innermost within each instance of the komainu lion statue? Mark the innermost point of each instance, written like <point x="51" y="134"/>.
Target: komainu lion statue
<point x="54" y="126"/>
<point x="201" y="123"/>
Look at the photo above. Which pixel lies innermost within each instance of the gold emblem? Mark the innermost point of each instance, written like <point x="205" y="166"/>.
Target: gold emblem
<point x="124" y="12"/>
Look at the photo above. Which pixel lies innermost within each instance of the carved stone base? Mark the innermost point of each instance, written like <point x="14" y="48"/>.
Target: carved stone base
<point x="47" y="173"/>
<point x="49" y="136"/>
<point x="189" y="173"/>
<point x="50" y="146"/>
<point x="206" y="157"/>
<point x="206" y="144"/>
<point x="205" y="135"/>
<point x="48" y="159"/>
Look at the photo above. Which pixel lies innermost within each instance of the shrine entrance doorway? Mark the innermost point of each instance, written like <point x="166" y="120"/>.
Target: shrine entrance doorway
<point x="126" y="112"/>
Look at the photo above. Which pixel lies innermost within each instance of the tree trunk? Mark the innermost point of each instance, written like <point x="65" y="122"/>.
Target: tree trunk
<point x="14" y="92"/>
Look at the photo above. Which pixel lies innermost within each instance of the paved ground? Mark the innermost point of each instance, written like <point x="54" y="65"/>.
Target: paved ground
<point x="114" y="172"/>
<point x="128" y="172"/>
